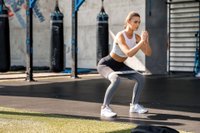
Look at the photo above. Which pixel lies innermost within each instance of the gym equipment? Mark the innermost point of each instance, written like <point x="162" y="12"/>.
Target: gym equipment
<point x="57" y="40"/>
<point x="102" y="34"/>
<point x="4" y="38"/>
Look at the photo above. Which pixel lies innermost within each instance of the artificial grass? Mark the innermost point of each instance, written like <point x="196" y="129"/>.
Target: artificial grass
<point x="20" y="121"/>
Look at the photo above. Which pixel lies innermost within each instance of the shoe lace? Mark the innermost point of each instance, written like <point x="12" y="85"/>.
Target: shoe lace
<point x="108" y="109"/>
<point x="140" y="107"/>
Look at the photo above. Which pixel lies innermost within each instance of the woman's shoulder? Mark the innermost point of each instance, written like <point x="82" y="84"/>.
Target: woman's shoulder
<point x="120" y="34"/>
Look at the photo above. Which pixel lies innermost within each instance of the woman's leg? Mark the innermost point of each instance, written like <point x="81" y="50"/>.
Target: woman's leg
<point x="134" y="106"/>
<point x="106" y="71"/>
<point x="139" y="85"/>
<point x="114" y="82"/>
<point x="114" y="79"/>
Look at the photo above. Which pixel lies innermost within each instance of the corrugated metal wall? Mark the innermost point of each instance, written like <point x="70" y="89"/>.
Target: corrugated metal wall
<point x="184" y="16"/>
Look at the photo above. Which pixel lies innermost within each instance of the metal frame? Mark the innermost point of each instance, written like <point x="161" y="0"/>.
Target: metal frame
<point x="74" y="47"/>
<point x="29" y="40"/>
<point x="74" y="41"/>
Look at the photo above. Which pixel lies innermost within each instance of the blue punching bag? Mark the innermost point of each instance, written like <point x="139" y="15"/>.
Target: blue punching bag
<point x="102" y="34"/>
<point x="4" y="38"/>
<point x="57" y="41"/>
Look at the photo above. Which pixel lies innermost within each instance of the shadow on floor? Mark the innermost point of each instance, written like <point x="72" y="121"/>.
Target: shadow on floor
<point x="173" y="93"/>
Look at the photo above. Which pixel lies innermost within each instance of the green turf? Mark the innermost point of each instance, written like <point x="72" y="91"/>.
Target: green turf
<point x="18" y="121"/>
<point x="22" y="121"/>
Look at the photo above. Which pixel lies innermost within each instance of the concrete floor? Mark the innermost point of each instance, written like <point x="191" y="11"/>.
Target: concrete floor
<point x="172" y="100"/>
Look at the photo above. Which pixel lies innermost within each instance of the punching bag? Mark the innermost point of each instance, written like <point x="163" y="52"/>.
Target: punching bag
<point x="57" y="40"/>
<point x="102" y="34"/>
<point x="4" y="38"/>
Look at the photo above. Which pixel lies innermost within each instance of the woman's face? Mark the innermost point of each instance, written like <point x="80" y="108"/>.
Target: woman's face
<point x="134" y="23"/>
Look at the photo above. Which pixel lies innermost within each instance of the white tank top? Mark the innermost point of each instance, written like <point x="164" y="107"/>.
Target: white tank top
<point x="130" y="42"/>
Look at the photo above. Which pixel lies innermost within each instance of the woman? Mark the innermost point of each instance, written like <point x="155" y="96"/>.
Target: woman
<point x="126" y="44"/>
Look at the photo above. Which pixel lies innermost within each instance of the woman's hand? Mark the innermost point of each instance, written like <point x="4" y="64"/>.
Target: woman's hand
<point x="146" y="47"/>
<point x="144" y="36"/>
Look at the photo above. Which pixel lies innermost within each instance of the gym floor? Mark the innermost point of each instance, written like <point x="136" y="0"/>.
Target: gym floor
<point x="172" y="100"/>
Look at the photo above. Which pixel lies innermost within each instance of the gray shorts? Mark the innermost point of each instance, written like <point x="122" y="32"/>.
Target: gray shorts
<point x="108" y="65"/>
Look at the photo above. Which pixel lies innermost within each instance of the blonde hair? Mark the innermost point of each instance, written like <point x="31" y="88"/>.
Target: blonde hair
<point x="130" y="16"/>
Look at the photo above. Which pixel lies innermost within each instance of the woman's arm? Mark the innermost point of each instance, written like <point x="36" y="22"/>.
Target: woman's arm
<point x="124" y="47"/>
<point x="146" y="49"/>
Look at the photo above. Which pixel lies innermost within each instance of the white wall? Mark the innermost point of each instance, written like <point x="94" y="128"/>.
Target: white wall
<point x="116" y="9"/>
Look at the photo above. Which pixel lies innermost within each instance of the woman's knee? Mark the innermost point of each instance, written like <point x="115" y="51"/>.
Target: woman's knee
<point x="114" y="78"/>
<point x="141" y="78"/>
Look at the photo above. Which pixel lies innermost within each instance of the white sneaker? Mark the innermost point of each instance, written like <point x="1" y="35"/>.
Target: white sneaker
<point x="136" y="108"/>
<point x="107" y="112"/>
<point x="197" y="75"/>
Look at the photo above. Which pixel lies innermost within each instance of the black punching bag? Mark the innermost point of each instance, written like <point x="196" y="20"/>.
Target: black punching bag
<point x="4" y="38"/>
<point x="102" y="34"/>
<point x="57" y="41"/>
